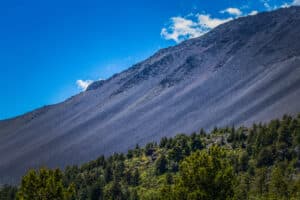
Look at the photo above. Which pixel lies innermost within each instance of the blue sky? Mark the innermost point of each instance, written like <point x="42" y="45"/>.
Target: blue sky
<point x="50" y="50"/>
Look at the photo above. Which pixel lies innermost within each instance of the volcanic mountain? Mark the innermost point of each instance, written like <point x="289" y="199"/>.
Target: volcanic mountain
<point x="244" y="71"/>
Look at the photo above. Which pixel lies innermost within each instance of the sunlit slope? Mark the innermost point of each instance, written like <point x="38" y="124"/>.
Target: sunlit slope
<point x="243" y="71"/>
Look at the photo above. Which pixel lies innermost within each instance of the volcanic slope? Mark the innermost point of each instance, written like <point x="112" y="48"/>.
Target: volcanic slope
<point x="244" y="71"/>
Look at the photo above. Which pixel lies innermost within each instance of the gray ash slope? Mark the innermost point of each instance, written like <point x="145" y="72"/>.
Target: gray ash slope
<point x="244" y="71"/>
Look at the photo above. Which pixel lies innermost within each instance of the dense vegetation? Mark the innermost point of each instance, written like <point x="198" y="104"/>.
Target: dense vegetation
<point x="261" y="162"/>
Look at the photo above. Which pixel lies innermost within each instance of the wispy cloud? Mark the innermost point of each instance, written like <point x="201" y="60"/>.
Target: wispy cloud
<point x="293" y="3"/>
<point x="208" y="22"/>
<point x="83" y="84"/>
<point x="296" y="2"/>
<point x="232" y="11"/>
<point x="285" y="5"/>
<point x="253" y="12"/>
<point x="194" y="25"/>
<point x="181" y="29"/>
<point x="270" y="5"/>
<point x="267" y="5"/>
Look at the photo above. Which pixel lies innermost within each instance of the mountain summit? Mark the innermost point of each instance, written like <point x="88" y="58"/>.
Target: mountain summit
<point x="244" y="71"/>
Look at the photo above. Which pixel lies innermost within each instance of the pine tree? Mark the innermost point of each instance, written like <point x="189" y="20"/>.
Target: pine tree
<point x="161" y="165"/>
<point x="43" y="185"/>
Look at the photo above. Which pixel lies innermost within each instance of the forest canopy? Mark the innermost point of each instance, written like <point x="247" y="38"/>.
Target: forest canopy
<point x="260" y="162"/>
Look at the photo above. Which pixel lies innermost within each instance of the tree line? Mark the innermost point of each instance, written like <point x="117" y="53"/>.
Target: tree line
<point x="260" y="162"/>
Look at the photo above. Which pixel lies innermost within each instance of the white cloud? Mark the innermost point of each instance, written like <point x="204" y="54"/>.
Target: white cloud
<point x="232" y="11"/>
<point x="293" y="3"/>
<point x="253" y="12"/>
<point x="83" y="84"/>
<point x="184" y="28"/>
<point x="210" y="23"/>
<point x="181" y="29"/>
<point x="296" y="3"/>
<point x="285" y="5"/>
<point x="195" y="25"/>
<point x="269" y="5"/>
<point x="266" y="4"/>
